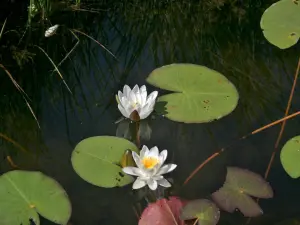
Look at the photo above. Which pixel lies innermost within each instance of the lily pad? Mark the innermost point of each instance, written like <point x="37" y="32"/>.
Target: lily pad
<point x="239" y="184"/>
<point x="230" y="200"/>
<point x="290" y="157"/>
<point x="163" y="212"/>
<point x="205" y="211"/>
<point x="25" y="194"/>
<point x="245" y="181"/>
<point x="201" y="94"/>
<point x="281" y="23"/>
<point x="97" y="160"/>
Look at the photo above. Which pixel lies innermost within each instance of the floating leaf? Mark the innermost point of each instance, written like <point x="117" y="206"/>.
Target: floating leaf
<point x="239" y="184"/>
<point x="201" y="94"/>
<point x="290" y="157"/>
<point x="97" y="159"/>
<point x="281" y="23"/>
<point x="24" y="194"/>
<point x="205" y="211"/>
<point x="245" y="181"/>
<point x="163" y="212"/>
<point x="229" y="200"/>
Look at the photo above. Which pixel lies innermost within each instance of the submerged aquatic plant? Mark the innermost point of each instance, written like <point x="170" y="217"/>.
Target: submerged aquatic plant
<point x="150" y="168"/>
<point x="135" y="104"/>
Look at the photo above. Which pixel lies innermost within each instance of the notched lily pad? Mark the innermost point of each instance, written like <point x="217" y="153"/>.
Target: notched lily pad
<point x="25" y="194"/>
<point x="239" y="184"/>
<point x="230" y="200"/>
<point x="201" y="94"/>
<point x="290" y="157"/>
<point x="245" y="181"/>
<point x="97" y="160"/>
<point x="281" y="23"/>
<point x="205" y="211"/>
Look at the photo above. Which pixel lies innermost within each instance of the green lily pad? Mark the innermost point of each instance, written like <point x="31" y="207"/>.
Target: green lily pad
<point x="201" y="94"/>
<point x="281" y="23"/>
<point x="239" y="184"/>
<point x="97" y="160"/>
<point x="205" y="211"/>
<point x="25" y="194"/>
<point x="290" y="157"/>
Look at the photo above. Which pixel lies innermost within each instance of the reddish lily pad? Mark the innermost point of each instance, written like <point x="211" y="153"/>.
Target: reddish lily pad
<point x="163" y="212"/>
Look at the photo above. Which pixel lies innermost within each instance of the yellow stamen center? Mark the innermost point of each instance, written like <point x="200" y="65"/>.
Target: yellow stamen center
<point x="135" y="104"/>
<point x="149" y="162"/>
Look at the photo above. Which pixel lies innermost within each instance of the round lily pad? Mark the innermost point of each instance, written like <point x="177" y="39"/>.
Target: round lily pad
<point x="97" y="160"/>
<point x="281" y="23"/>
<point x="201" y="94"/>
<point x="25" y="194"/>
<point x="205" y="211"/>
<point x="290" y="157"/>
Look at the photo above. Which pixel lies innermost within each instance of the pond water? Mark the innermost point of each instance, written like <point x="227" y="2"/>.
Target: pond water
<point x="144" y="36"/>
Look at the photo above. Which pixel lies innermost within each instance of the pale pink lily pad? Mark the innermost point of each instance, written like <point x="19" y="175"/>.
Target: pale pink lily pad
<point x="163" y="212"/>
<point x="229" y="200"/>
<point x="248" y="182"/>
<point x="239" y="184"/>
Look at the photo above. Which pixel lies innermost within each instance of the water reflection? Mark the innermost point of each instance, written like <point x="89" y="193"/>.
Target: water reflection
<point x="144" y="36"/>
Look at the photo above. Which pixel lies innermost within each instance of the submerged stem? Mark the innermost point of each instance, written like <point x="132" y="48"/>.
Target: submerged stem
<point x="284" y="122"/>
<point x="223" y="149"/>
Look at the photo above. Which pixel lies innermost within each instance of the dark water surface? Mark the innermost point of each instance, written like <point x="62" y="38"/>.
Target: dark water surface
<point x="144" y="36"/>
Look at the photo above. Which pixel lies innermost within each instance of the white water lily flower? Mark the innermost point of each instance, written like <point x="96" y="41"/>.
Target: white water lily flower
<point x="136" y="100"/>
<point x="150" y="168"/>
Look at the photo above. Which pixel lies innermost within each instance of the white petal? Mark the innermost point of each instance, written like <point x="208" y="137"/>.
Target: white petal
<point x="144" y="151"/>
<point x="123" y="111"/>
<point x="153" y="152"/>
<point x="152" y="97"/>
<point x="143" y="92"/>
<point x="152" y="184"/>
<point x="133" y="171"/>
<point x="125" y="103"/>
<point x="132" y="98"/>
<point x="135" y="89"/>
<point x="163" y="155"/>
<point x="159" y="177"/>
<point x="166" y="169"/>
<point x="126" y="90"/>
<point x="137" y="160"/>
<point x="145" y="112"/>
<point x="138" y="97"/>
<point x="163" y="182"/>
<point x="120" y="95"/>
<point x="138" y="184"/>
